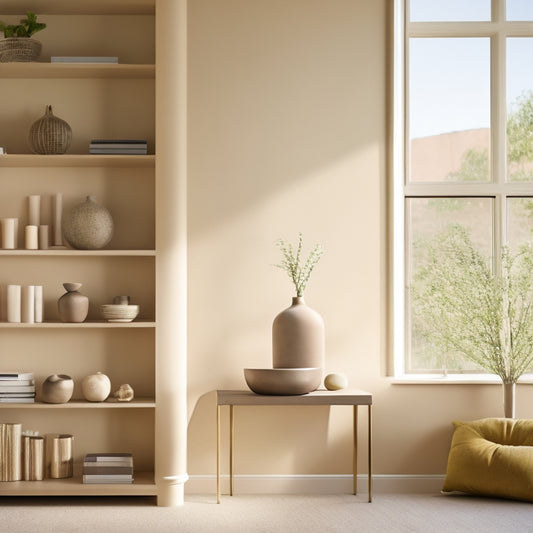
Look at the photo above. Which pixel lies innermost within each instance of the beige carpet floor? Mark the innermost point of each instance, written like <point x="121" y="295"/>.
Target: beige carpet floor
<point x="405" y="513"/>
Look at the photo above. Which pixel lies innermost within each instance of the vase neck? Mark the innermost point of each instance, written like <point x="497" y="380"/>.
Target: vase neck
<point x="298" y="300"/>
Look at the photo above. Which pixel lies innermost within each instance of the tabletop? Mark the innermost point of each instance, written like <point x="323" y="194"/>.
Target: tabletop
<point x="318" y="397"/>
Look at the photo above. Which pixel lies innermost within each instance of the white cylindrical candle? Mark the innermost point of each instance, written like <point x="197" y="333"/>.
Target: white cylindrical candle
<point x="38" y="303"/>
<point x="28" y="304"/>
<point x="43" y="237"/>
<point x="31" y="237"/>
<point x="9" y="233"/>
<point x="58" y="210"/>
<point x="34" y="210"/>
<point x="13" y="303"/>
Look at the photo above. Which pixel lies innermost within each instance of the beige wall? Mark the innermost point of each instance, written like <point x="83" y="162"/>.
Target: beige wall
<point x="288" y="133"/>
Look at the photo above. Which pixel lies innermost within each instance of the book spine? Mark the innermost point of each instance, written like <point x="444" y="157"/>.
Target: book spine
<point x="17" y="376"/>
<point x="108" y="470"/>
<point x="10" y="450"/>
<point x="83" y="59"/>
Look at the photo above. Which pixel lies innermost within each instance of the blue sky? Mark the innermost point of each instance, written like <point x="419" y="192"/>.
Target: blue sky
<point x="450" y="78"/>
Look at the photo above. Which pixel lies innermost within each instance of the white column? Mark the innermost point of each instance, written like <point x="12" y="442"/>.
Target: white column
<point x="171" y="248"/>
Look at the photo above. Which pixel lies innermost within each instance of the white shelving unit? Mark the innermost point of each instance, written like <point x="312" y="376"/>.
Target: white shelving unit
<point x="107" y="100"/>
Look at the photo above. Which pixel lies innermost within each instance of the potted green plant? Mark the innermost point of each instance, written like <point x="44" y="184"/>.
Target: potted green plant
<point x="464" y="307"/>
<point x="17" y="44"/>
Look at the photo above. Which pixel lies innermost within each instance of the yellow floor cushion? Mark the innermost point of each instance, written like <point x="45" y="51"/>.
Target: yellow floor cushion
<point x="492" y="457"/>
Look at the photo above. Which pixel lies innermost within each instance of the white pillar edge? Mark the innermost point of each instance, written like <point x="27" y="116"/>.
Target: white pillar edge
<point x="171" y="251"/>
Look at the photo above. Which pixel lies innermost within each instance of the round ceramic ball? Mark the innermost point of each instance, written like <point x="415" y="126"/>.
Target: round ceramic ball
<point x="96" y="387"/>
<point x="335" y="381"/>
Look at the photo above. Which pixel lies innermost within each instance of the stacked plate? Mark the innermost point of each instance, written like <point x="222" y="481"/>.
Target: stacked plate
<point x="119" y="312"/>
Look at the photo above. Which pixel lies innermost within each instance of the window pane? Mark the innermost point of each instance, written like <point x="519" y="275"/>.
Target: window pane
<point x="519" y="10"/>
<point x="450" y="10"/>
<point x="519" y="222"/>
<point x="449" y="109"/>
<point x="519" y="109"/>
<point x="433" y="223"/>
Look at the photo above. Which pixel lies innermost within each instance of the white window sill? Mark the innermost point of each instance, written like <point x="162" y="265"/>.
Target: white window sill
<point x="453" y="379"/>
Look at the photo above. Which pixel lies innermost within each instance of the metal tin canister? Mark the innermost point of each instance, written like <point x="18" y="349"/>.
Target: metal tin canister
<point x="59" y="455"/>
<point x="32" y="457"/>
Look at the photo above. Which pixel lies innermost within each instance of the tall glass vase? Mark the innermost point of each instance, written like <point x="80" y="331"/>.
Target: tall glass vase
<point x="509" y="390"/>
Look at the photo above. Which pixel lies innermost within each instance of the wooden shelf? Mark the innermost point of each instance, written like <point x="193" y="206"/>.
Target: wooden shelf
<point x="35" y="70"/>
<point x="79" y="253"/>
<point x="143" y="485"/>
<point x="77" y="160"/>
<point x="79" y="7"/>
<point x="92" y="324"/>
<point x="111" y="403"/>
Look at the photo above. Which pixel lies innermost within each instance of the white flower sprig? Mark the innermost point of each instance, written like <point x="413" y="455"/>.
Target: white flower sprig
<point x="290" y="263"/>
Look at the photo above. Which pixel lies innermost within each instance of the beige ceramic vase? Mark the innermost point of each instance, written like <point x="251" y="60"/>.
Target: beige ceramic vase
<point x="298" y="337"/>
<point x="57" y="388"/>
<point x="73" y="306"/>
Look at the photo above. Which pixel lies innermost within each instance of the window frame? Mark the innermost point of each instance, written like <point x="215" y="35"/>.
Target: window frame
<point x="498" y="189"/>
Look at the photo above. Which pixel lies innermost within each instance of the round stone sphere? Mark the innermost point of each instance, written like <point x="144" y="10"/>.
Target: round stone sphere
<point x="96" y="387"/>
<point x="335" y="381"/>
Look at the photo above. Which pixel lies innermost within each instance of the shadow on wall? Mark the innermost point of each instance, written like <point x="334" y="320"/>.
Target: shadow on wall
<point x="290" y="439"/>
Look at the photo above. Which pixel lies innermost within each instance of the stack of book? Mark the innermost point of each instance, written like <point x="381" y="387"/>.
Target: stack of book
<point x="108" y="468"/>
<point x="17" y="387"/>
<point x="118" y="146"/>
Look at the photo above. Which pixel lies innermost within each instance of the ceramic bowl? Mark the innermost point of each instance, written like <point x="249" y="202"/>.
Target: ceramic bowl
<point x="119" y="312"/>
<point x="283" y="381"/>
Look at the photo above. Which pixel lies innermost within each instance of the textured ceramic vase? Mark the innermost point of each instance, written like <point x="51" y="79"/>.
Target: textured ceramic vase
<point x="73" y="306"/>
<point x="57" y="388"/>
<point x="88" y="226"/>
<point x="96" y="387"/>
<point x="298" y="338"/>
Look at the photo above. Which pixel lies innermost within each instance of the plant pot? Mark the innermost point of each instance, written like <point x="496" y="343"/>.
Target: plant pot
<point x="16" y="49"/>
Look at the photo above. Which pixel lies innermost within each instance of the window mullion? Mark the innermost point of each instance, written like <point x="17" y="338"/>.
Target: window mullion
<point x="498" y="130"/>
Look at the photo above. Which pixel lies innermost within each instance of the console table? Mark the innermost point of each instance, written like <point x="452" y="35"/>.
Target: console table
<point x="320" y="397"/>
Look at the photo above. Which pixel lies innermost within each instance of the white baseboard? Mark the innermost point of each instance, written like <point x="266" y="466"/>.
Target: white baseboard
<point x="317" y="484"/>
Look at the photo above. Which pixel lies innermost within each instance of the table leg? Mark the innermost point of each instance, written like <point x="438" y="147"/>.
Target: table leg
<point x="370" y="453"/>
<point x="355" y="449"/>
<point x="231" y="447"/>
<point x="218" y="453"/>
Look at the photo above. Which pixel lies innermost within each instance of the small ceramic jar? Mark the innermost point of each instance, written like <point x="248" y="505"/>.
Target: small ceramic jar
<point x="96" y="387"/>
<point x="57" y="388"/>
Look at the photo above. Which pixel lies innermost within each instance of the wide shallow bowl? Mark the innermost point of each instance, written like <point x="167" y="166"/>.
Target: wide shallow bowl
<point x="119" y="312"/>
<point x="283" y="381"/>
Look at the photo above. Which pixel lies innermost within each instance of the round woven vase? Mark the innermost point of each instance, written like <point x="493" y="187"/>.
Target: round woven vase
<point x="50" y="134"/>
<point x="16" y="49"/>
